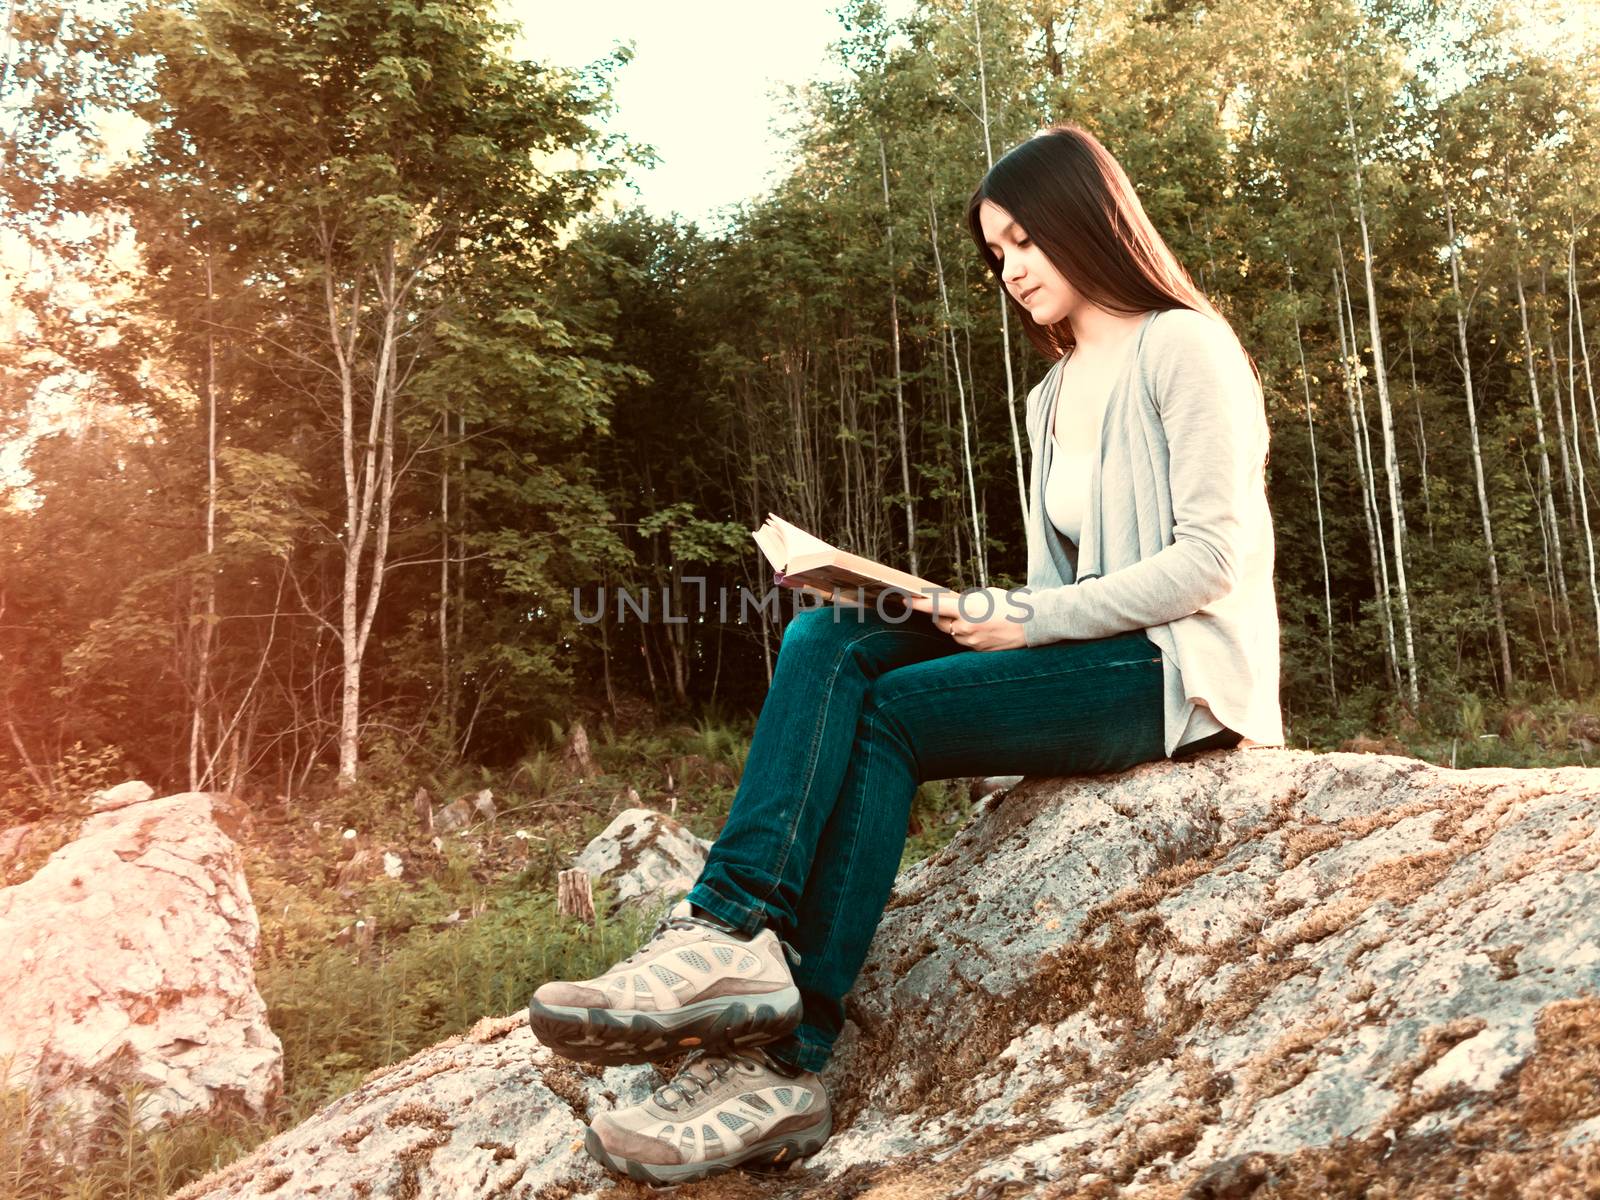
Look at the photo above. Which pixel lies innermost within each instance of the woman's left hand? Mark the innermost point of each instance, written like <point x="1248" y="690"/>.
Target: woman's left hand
<point x="994" y="632"/>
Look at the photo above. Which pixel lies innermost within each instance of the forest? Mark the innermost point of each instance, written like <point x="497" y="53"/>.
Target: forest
<point x="333" y="393"/>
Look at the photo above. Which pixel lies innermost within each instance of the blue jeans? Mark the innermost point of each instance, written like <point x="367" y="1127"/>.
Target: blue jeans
<point x="861" y="710"/>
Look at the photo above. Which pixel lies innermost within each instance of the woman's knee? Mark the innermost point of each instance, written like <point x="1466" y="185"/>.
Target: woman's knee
<point x="813" y="627"/>
<point x="883" y="713"/>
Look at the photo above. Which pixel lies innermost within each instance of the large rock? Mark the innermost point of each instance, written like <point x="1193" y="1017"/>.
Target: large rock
<point x="1332" y="967"/>
<point x="1262" y="973"/>
<point x="127" y="963"/>
<point x="647" y="857"/>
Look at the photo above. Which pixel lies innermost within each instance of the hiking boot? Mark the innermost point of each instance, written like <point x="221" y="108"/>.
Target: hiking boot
<point x="694" y="984"/>
<point x="718" y="1112"/>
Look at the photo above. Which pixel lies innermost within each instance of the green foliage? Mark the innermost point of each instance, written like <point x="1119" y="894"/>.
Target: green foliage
<point x="83" y="771"/>
<point x="692" y="539"/>
<point x="342" y="1012"/>
<point x="715" y="740"/>
<point x="126" y="1161"/>
<point x="939" y="809"/>
<point x="262" y="502"/>
<point x="263" y="211"/>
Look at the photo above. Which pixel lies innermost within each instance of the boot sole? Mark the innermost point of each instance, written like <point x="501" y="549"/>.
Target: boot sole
<point x="611" y="1036"/>
<point x="779" y="1153"/>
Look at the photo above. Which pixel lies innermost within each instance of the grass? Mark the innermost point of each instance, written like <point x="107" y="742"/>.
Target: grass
<point x="121" y="1159"/>
<point x="1469" y="731"/>
<point x="341" y="1012"/>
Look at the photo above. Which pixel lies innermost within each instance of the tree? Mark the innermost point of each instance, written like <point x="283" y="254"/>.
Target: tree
<point x="322" y="201"/>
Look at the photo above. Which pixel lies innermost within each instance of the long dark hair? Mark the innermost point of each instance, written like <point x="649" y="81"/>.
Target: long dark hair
<point x="1076" y="203"/>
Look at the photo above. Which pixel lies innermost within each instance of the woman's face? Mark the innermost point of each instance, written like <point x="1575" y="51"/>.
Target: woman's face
<point x="1027" y="274"/>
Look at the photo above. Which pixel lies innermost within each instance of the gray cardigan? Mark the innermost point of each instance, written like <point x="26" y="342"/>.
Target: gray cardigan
<point x="1177" y="537"/>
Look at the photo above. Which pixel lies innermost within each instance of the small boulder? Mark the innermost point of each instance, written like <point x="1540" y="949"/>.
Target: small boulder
<point x="1584" y="726"/>
<point x="453" y="816"/>
<point x="134" y="791"/>
<point x="647" y="857"/>
<point x="128" y="961"/>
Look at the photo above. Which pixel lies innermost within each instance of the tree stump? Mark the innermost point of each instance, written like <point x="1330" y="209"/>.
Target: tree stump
<point x="575" y="895"/>
<point x="576" y="754"/>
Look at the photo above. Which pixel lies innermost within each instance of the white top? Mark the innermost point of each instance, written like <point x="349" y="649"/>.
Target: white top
<point x="1066" y="492"/>
<point x="1066" y="488"/>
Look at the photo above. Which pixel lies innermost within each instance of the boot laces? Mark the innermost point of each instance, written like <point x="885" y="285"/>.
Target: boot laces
<point x="686" y="1082"/>
<point x="664" y="926"/>
<point x="669" y="923"/>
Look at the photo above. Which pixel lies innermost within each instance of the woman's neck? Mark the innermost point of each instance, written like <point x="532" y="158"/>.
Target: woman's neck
<point x="1097" y="331"/>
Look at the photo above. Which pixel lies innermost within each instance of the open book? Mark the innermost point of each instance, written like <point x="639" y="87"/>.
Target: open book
<point x="803" y="560"/>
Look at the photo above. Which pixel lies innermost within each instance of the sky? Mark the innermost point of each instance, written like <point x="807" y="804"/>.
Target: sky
<point x="703" y="88"/>
<point x="705" y="83"/>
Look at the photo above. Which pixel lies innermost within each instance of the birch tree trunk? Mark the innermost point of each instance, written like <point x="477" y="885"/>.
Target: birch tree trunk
<point x="202" y="687"/>
<point x="1391" y="464"/>
<point x="909" y="504"/>
<point x="1546" y="501"/>
<point x="961" y="397"/>
<point x="1555" y="394"/>
<point x="849" y="534"/>
<point x="1365" y="476"/>
<point x="1316" y="486"/>
<point x="369" y="491"/>
<point x="747" y="406"/>
<point x="1005" y="309"/>
<point x="460" y="636"/>
<point x="1422" y="432"/>
<point x="444" y="584"/>
<point x="1583" y="343"/>
<point x="1463" y="310"/>
<point x="1574" y="317"/>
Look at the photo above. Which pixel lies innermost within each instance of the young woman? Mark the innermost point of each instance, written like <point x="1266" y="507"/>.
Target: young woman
<point x="1148" y="629"/>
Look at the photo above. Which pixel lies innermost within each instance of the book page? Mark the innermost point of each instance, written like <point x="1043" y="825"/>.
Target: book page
<point x="796" y="540"/>
<point x="770" y="540"/>
<point x="801" y="559"/>
<point x="843" y="583"/>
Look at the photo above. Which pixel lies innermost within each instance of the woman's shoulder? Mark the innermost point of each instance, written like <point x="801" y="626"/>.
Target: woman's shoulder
<point x="1182" y="342"/>
<point x="1175" y="330"/>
